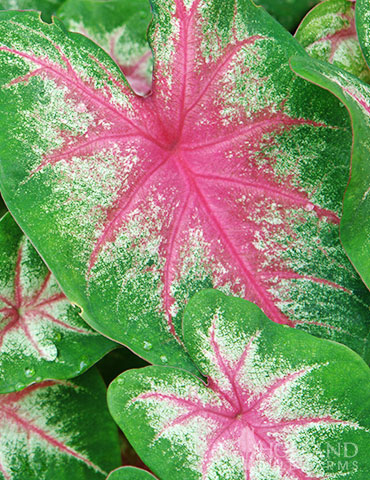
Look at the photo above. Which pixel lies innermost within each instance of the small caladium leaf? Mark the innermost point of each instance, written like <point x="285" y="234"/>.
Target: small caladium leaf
<point x="120" y="27"/>
<point x="46" y="7"/>
<point x="59" y="430"/>
<point x="288" y="12"/>
<point x="130" y="473"/>
<point x="41" y="334"/>
<point x="328" y="32"/>
<point x="279" y="403"/>
<point x="230" y="175"/>
<point x="355" y="225"/>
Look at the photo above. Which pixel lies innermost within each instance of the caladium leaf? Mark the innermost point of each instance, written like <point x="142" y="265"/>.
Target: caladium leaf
<point x="58" y="430"/>
<point x="46" y="7"/>
<point x="41" y="334"/>
<point x="328" y="32"/>
<point x="120" y="27"/>
<point x="277" y="403"/>
<point x="130" y="473"/>
<point x="363" y="27"/>
<point x="355" y="225"/>
<point x="288" y="12"/>
<point x="230" y="175"/>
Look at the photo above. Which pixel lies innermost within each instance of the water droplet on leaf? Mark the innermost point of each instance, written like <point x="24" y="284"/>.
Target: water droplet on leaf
<point x="84" y="363"/>
<point x="50" y="352"/>
<point x="29" y="372"/>
<point x="309" y="207"/>
<point x="163" y="358"/>
<point x="147" y="346"/>
<point x="58" y="336"/>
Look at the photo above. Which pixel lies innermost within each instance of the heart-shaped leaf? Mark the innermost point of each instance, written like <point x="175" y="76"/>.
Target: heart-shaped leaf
<point x="355" y="225"/>
<point x="118" y="26"/>
<point x="41" y="334"/>
<point x="279" y="403"/>
<point x="130" y="473"/>
<point x="230" y="175"/>
<point x="47" y="7"/>
<point x="58" y="430"/>
<point x="288" y="12"/>
<point x="328" y="32"/>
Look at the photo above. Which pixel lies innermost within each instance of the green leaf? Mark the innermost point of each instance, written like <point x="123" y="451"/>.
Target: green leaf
<point x="47" y="7"/>
<point x="58" y="430"/>
<point x="230" y="175"/>
<point x="328" y="33"/>
<point x="130" y="473"/>
<point x="288" y="12"/>
<point x="41" y="334"/>
<point x="355" y="224"/>
<point x="363" y="27"/>
<point x="118" y="26"/>
<point x="279" y="403"/>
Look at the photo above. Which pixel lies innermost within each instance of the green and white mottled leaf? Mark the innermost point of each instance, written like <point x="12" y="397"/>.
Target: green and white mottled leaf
<point x="41" y="334"/>
<point x="279" y="404"/>
<point x="47" y="7"/>
<point x="355" y="224"/>
<point x="363" y="26"/>
<point x="58" y="430"/>
<point x="328" y="33"/>
<point x="130" y="473"/>
<point x="230" y="174"/>
<point x="288" y="12"/>
<point x="120" y="27"/>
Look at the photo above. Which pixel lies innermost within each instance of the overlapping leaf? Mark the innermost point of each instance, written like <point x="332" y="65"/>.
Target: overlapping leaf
<point x="130" y="473"/>
<point x="118" y="26"/>
<point x="278" y="404"/>
<point x="288" y="12"/>
<point x="355" y="225"/>
<point x="231" y="174"/>
<point x="47" y="7"/>
<point x="41" y="334"/>
<point x="59" y="430"/>
<point x="363" y="26"/>
<point x="328" y="33"/>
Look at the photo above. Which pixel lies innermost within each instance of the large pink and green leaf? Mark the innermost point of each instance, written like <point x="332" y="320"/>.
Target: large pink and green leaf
<point x="278" y="404"/>
<point x="58" y="430"/>
<point x="328" y="33"/>
<point x="230" y="175"/>
<point x="41" y="334"/>
<point x="120" y="27"/>
<point x="355" y="224"/>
